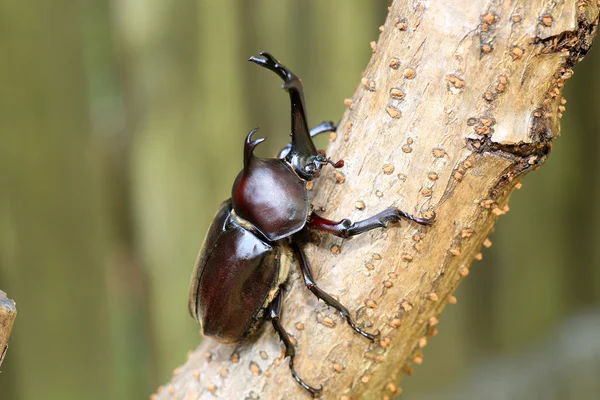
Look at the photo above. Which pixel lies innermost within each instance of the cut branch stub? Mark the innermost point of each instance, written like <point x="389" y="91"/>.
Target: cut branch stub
<point x="460" y="103"/>
<point x="8" y="313"/>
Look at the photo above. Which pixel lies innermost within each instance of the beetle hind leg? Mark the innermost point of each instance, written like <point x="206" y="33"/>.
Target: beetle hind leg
<point x="290" y="351"/>
<point x="310" y="283"/>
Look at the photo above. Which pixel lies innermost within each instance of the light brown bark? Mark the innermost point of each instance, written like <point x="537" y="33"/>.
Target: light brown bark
<point x="458" y="102"/>
<point x="8" y="313"/>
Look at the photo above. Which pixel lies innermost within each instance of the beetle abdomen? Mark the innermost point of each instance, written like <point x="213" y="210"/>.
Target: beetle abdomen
<point x="270" y="196"/>
<point x="233" y="277"/>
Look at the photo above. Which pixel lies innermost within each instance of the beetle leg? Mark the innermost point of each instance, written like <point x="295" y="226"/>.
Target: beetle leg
<point x="274" y="315"/>
<point x="345" y="228"/>
<point x="310" y="283"/>
<point x="325" y="126"/>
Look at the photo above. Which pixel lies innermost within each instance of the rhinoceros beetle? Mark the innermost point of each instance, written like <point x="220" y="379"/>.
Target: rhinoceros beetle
<point x="256" y="235"/>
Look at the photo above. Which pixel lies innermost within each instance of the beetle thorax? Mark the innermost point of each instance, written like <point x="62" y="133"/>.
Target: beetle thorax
<point x="268" y="194"/>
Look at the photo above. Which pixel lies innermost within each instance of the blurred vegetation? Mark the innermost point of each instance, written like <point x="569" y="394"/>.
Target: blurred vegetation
<point x="123" y="124"/>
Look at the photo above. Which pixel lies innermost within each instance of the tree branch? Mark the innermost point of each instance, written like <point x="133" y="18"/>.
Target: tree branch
<point x="458" y="102"/>
<point x="8" y="313"/>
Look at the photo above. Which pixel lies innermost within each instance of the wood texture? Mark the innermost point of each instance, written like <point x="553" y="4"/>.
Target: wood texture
<point x="8" y="313"/>
<point x="457" y="103"/>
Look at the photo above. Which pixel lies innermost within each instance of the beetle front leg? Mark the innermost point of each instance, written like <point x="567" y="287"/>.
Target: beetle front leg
<point x="274" y="314"/>
<point x="310" y="283"/>
<point x="345" y="228"/>
<point x="325" y="126"/>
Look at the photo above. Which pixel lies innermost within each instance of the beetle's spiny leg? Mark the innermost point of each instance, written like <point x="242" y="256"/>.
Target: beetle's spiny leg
<point x="391" y="214"/>
<point x="290" y="351"/>
<point x="315" y="392"/>
<point x="344" y="313"/>
<point x="345" y="228"/>
<point x="310" y="283"/>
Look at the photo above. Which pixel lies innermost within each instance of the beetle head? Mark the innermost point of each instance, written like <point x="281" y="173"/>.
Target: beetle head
<point x="308" y="166"/>
<point x="304" y="158"/>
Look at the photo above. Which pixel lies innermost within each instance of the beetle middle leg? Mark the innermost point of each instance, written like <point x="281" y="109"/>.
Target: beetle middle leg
<point x="274" y="313"/>
<point x="325" y="126"/>
<point x="310" y="283"/>
<point x="345" y="228"/>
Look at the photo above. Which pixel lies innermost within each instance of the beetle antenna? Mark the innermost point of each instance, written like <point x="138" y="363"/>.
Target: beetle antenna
<point x="338" y="164"/>
<point x="325" y="160"/>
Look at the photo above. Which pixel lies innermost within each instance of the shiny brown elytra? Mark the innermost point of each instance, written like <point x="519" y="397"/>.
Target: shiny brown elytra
<point x="257" y="234"/>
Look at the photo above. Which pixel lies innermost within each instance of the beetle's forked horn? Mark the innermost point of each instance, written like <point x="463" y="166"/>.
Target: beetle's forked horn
<point x="249" y="146"/>
<point x="302" y="143"/>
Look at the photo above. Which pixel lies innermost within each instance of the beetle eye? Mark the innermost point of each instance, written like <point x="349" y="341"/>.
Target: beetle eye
<point x="309" y="169"/>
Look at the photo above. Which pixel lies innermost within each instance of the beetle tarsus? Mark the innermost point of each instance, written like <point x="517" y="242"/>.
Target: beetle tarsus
<point x="290" y="351"/>
<point x="345" y="228"/>
<point x="310" y="283"/>
<point x="315" y="392"/>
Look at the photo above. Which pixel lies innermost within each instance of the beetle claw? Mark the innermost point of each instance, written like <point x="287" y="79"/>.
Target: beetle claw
<point x="370" y="336"/>
<point x="424" y="221"/>
<point x="315" y="392"/>
<point x="429" y="221"/>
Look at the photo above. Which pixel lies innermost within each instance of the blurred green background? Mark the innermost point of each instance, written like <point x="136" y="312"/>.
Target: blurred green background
<point x="122" y="125"/>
